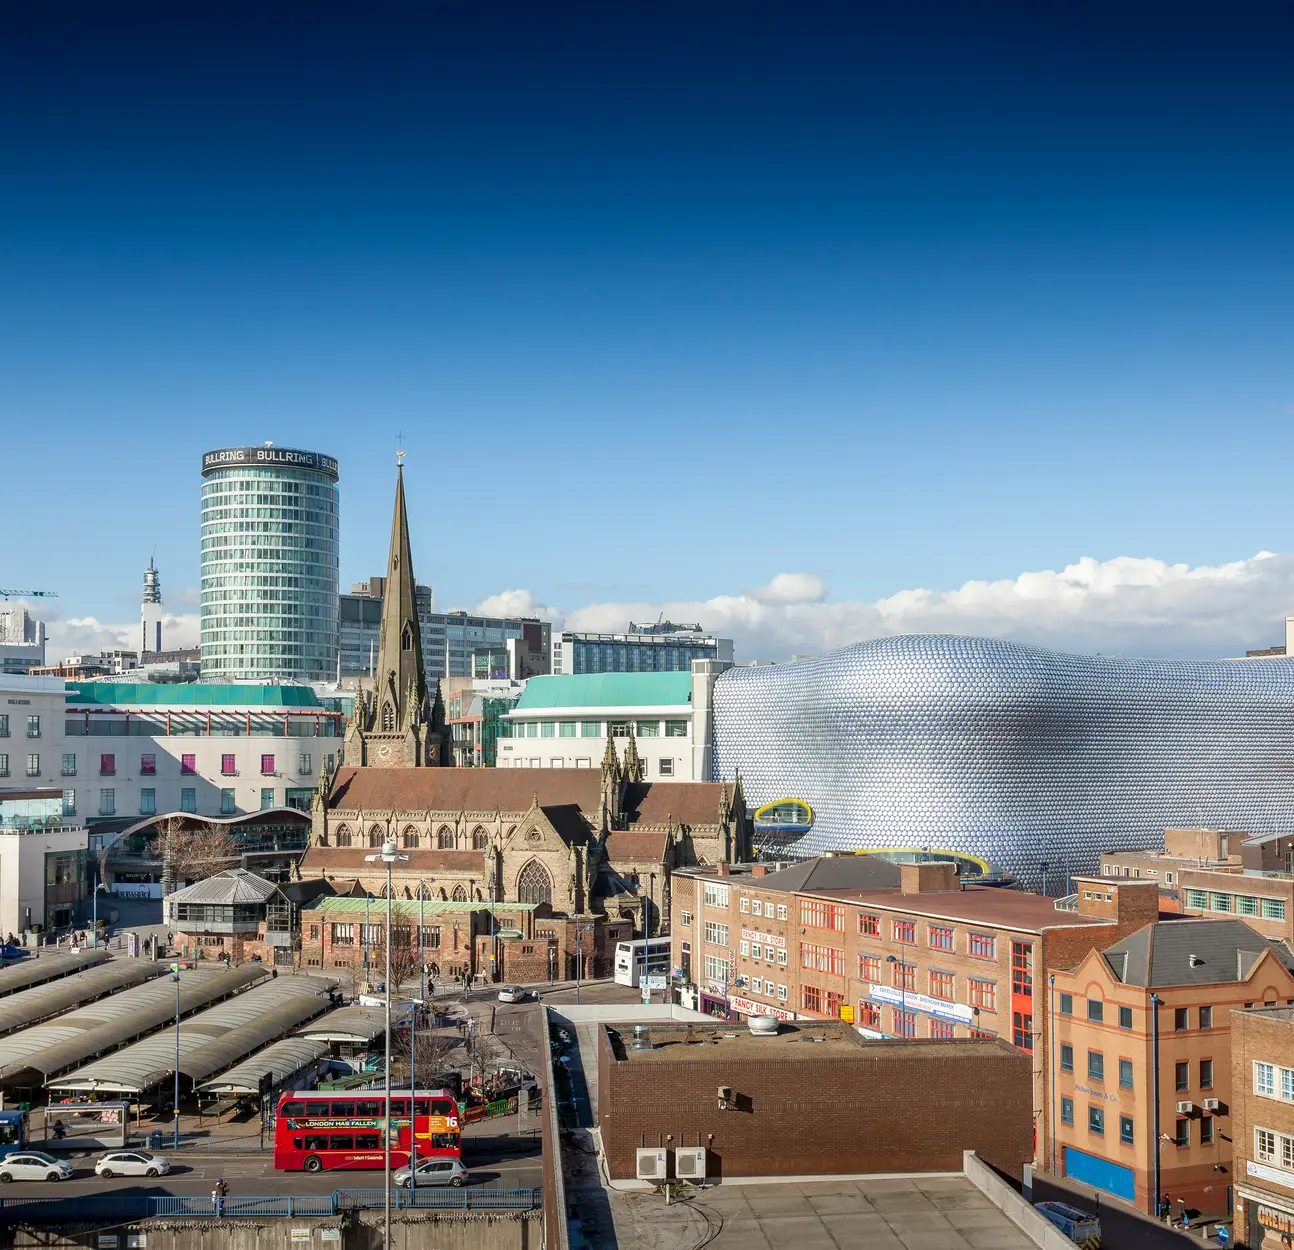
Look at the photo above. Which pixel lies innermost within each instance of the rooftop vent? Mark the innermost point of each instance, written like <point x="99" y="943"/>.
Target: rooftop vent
<point x="642" y="1039"/>
<point x="763" y="1026"/>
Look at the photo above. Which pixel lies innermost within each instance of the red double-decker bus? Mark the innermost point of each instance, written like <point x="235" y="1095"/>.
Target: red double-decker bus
<point x="315" y="1131"/>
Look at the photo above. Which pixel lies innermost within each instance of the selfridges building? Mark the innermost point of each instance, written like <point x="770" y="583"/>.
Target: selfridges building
<point x="1034" y="759"/>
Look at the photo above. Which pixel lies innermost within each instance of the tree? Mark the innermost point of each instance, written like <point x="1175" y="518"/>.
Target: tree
<point x="433" y="1054"/>
<point x="191" y="853"/>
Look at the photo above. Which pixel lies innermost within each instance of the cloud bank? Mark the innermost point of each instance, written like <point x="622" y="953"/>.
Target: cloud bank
<point x="80" y="634"/>
<point x="1126" y="606"/>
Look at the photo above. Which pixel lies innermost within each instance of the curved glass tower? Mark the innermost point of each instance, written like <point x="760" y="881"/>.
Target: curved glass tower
<point x="1033" y="759"/>
<point x="269" y="564"/>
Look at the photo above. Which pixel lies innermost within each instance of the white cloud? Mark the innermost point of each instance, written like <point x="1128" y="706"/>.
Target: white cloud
<point x="1127" y="605"/>
<point x="88" y="634"/>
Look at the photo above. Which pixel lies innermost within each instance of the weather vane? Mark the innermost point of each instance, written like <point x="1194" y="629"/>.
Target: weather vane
<point x="399" y="455"/>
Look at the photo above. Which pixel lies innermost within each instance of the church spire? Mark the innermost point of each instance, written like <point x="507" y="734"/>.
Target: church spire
<point x="401" y="683"/>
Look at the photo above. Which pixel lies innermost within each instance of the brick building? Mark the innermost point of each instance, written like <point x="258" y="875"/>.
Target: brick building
<point x="1190" y="975"/>
<point x="813" y="1100"/>
<point x="1217" y="872"/>
<point x="520" y="942"/>
<point x="917" y="956"/>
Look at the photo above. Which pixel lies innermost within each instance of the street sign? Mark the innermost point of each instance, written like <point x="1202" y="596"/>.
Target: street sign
<point x="656" y="981"/>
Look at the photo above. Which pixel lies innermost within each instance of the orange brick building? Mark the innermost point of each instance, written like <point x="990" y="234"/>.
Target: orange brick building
<point x="1262" y="1123"/>
<point x="911" y="954"/>
<point x="1187" y="977"/>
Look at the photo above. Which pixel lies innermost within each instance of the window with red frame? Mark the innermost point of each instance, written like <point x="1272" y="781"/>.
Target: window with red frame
<point x="188" y="764"/>
<point x="982" y="945"/>
<point x="1022" y="969"/>
<point x="107" y="766"/>
<point x="147" y="765"/>
<point x="905" y="931"/>
<point x="983" y="1035"/>
<point x="869" y="1015"/>
<point x="227" y="765"/>
<point x="904" y="976"/>
<point x="905" y="1023"/>
<point x="941" y="985"/>
<point x="869" y="968"/>
<point x="941" y="937"/>
<point x="816" y="915"/>
<point x="941" y="1030"/>
<point x="983" y="994"/>
<point x="810" y="998"/>
<point x="1022" y="1031"/>
<point x="267" y="766"/>
<point x="822" y="959"/>
<point x="834" y="1003"/>
<point x="869" y="926"/>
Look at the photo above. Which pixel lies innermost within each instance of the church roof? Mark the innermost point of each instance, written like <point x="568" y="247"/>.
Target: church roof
<point x="350" y="859"/>
<point x="637" y="845"/>
<point x="465" y="789"/>
<point x="686" y="802"/>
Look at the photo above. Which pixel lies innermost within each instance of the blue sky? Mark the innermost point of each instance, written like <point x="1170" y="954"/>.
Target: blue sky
<point x="668" y="299"/>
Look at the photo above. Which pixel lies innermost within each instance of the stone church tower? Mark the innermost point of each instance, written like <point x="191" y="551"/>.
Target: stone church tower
<point x="394" y="726"/>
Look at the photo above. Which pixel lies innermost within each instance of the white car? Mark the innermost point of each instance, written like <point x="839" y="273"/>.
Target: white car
<point x="434" y="1172"/>
<point x="34" y="1165"/>
<point x="131" y="1163"/>
<point x="512" y="994"/>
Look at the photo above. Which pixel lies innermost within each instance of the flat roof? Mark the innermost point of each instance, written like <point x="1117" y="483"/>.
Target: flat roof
<point x="672" y="1043"/>
<point x="190" y="694"/>
<point x="593" y="690"/>
<point x="977" y="904"/>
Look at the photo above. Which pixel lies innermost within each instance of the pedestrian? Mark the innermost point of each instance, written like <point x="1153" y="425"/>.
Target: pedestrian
<point x="217" y="1202"/>
<point x="1186" y="1219"/>
<point x="1165" y="1208"/>
<point x="60" y="1131"/>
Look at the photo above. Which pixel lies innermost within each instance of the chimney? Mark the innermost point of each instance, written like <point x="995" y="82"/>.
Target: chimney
<point x="759" y="870"/>
<point x="723" y="869"/>
<point x="933" y="878"/>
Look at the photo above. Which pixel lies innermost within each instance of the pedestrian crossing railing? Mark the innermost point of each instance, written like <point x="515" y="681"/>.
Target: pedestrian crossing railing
<point x="61" y="1210"/>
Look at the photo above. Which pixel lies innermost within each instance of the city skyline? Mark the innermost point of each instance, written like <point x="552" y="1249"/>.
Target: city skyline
<point x="883" y="302"/>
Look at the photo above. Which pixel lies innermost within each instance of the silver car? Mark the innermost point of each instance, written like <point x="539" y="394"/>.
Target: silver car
<point x="33" y="1165"/>
<point x="131" y="1163"/>
<point x="434" y="1172"/>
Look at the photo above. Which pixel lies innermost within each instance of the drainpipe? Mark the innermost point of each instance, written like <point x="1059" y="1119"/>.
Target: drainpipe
<point x="1051" y="1061"/>
<point x="1154" y="1059"/>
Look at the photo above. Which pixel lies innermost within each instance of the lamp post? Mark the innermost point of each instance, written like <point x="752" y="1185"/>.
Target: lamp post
<point x="413" y="1047"/>
<point x="1155" y="1002"/>
<point x="367" y="896"/>
<point x="580" y="931"/>
<point x="94" y="914"/>
<point x="175" y="976"/>
<point x="388" y="856"/>
<point x="903" y="993"/>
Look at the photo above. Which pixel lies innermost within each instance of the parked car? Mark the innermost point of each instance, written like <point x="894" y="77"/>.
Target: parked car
<point x="33" y="1165"/>
<point x="434" y="1172"/>
<point x="512" y="994"/>
<point x="131" y="1163"/>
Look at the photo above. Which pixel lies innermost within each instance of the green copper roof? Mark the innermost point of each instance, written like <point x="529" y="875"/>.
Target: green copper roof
<point x="191" y="694"/>
<point x="407" y="909"/>
<point x="607" y="690"/>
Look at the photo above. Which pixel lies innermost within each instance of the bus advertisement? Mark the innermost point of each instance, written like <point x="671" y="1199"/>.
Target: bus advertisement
<point x="316" y="1132"/>
<point x="645" y="957"/>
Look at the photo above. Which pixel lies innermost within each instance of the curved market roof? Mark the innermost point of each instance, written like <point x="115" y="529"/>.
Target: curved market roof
<point x="347" y="1024"/>
<point x="37" y="969"/>
<point x="191" y="694"/>
<point x="282" y="1060"/>
<point x="80" y="1035"/>
<point x="55" y="997"/>
<point x="606" y="690"/>
<point x="209" y="1041"/>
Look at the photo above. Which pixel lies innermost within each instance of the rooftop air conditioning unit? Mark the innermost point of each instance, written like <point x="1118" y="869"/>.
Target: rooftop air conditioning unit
<point x="689" y="1163"/>
<point x="652" y="1165"/>
<point x="1185" y="1108"/>
<point x="1212" y="1104"/>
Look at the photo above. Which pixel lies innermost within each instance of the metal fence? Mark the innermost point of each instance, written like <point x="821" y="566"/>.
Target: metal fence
<point x="130" y="1207"/>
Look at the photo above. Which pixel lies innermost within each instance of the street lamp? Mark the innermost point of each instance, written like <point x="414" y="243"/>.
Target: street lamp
<point x="903" y="993"/>
<point x="580" y="930"/>
<point x="94" y="920"/>
<point x="413" y="1045"/>
<point x="388" y="855"/>
<point x="175" y="976"/>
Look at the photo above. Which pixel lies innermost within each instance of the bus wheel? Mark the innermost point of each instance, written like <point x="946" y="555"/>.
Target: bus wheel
<point x="314" y="1163"/>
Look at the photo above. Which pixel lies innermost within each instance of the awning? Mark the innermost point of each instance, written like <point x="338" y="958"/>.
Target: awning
<point x="281" y="1061"/>
<point x="360" y="1025"/>
<point x="37" y="969"/>
<point x="206" y="1042"/>
<point x="43" y="1002"/>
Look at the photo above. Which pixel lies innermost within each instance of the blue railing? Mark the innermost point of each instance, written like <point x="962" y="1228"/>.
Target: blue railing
<point x="141" y="1207"/>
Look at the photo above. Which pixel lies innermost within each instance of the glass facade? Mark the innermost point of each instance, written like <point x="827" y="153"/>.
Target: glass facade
<point x="269" y="570"/>
<point x="1034" y="759"/>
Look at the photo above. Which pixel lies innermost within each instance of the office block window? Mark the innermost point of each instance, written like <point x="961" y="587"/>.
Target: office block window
<point x="1096" y="1065"/>
<point x="1206" y="1073"/>
<point x="107" y="802"/>
<point x="107" y="766"/>
<point x="4" y="725"/>
<point x="227" y="765"/>
<point x="1095" y="1010"/>
<point x="1096" y="1121"/>
<point x="1125" y="1017"/>
<point x="590" y="729"/>
<point x="148" y="802"/>
<point x="305" y="765"/>
<point x="188" y="799"/>
<point x="1206" y="1017"/>
<point x="4" y="766"/>
<point x="227" y="807"/>
<point x="188" y="764"/>
<point x="267" y="766"/>
<point x="33" y="766"/>
<point x="1067" y="1111"/>
<point x="267" y="798"/>
<point x="1125" y="1073"/>
<point x="148" y="765"/>
<point x="69" y="765"/>
<point x="1182" y="1075"/>
<point x="1206" y="1131"/>
<point x="33" y="726"/>
<point x="1181" y="1018"/>
<point x="1066" y="1057"/>
<point x="1067" y="1004"/>
<point x="1182" y="1136"/>
<point x="1125" y="1129"/>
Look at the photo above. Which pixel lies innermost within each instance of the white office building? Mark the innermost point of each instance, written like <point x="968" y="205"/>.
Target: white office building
<point x="660" y="648"/>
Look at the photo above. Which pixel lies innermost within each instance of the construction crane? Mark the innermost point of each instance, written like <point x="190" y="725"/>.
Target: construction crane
<point x="28" y="594"/>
